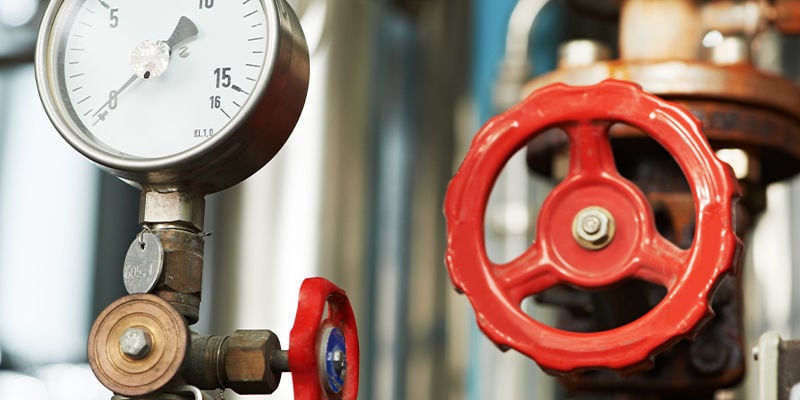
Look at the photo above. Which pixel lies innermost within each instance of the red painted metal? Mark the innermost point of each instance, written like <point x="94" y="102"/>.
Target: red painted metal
<point x="317" y="295"/>
<point x="637" y="250"/>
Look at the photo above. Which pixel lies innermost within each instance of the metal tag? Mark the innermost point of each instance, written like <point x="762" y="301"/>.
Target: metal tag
<point x="143" y="263"/>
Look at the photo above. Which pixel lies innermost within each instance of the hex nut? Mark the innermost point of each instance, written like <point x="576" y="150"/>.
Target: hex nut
<point x="136" y="342"/>
<point x="593" y="228"/>
<point x="183" y="260"/>
<point x="172" y="207"/>
<point x="183" y="271"/>
<point x="247" y="361"/>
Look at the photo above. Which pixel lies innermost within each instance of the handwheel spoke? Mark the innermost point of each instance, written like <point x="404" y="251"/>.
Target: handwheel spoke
<point x="590" y="150"/>
<point x="660" y="261"/>
<point x="528" y="274"/>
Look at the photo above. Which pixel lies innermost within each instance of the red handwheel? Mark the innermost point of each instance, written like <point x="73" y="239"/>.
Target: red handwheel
<point x="323" y="344"/>
<point x="594" y="229"/>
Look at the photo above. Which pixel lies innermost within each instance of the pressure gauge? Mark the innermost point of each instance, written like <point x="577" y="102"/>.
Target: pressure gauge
<point x="180" y="94"/>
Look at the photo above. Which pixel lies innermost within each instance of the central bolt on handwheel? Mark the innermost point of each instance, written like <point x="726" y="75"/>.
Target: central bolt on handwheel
<point x="594" y="229"/>
<point x="333" y="355"/>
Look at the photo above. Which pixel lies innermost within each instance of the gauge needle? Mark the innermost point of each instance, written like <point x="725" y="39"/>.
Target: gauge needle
<point x="184" y="30"/>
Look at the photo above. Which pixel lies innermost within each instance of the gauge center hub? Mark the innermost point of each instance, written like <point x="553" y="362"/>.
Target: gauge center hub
<point x="150" y="59"/>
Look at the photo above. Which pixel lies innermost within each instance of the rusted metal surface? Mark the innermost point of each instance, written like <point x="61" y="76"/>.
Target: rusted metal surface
<point x="204" y="360"/>
<point x="182" y="278"/>
<point x="242" y="362"/>
<point x="642" y="22"/>
<point x="771" y="137"/>
<point x="160" y="366"/>
<point x="644" y="36"/>
<point x="742" y="84"/>
<point x="246" y="363"/>
<point x="787" y="16"/>
<point x="690" y="369"/>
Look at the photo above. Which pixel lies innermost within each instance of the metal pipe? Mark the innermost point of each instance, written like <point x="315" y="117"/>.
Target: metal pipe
<point x="515" y="68"/>
<point x="520" y="25"/>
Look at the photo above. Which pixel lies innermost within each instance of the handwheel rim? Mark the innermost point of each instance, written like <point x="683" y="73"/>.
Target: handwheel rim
<point x="685" y="307"/>
<point x="306" y="340"/>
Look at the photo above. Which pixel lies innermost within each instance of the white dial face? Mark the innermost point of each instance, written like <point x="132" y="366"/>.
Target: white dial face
<point x="153" y="78"/>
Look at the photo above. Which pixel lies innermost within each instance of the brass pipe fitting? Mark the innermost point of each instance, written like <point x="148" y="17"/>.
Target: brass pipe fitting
<point x="247" y="361"/>
<point x="244" y="362"/>
<point x="181" y="281"/>
<point x="146" y="371"/>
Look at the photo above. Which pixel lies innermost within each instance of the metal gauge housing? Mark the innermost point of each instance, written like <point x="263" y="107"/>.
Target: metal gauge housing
<point x="179" y="94"/>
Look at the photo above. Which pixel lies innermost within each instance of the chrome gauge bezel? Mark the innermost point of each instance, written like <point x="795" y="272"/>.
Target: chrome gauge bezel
<point x="234" y="153"/>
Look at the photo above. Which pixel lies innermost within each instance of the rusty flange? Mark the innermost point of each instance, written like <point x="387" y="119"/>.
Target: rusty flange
<point x="739" y="106"/>
<point x="687" y="79"/>
<point x="168" y="335"/>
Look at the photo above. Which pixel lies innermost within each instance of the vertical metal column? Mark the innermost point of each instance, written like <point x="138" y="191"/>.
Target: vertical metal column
<point x="419" y="81"/>
<point x="392" y="74"/>
<point x="393" y="127"/>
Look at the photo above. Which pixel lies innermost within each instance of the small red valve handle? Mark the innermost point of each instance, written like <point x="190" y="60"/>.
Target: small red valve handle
<point x="556" y="256"/>
<point x="323" y="346"/>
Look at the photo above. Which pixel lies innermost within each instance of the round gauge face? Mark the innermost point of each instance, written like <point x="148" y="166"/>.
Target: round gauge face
<point x="147" y="79"/>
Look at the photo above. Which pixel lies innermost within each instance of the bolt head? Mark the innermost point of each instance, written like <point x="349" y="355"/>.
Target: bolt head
<point x="593" y="228"/>
<point x="591" y="224"/>
<point x="136" y="343"/>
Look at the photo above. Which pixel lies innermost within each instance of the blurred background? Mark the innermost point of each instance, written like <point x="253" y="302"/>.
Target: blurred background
<point x="397" y="89"/>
